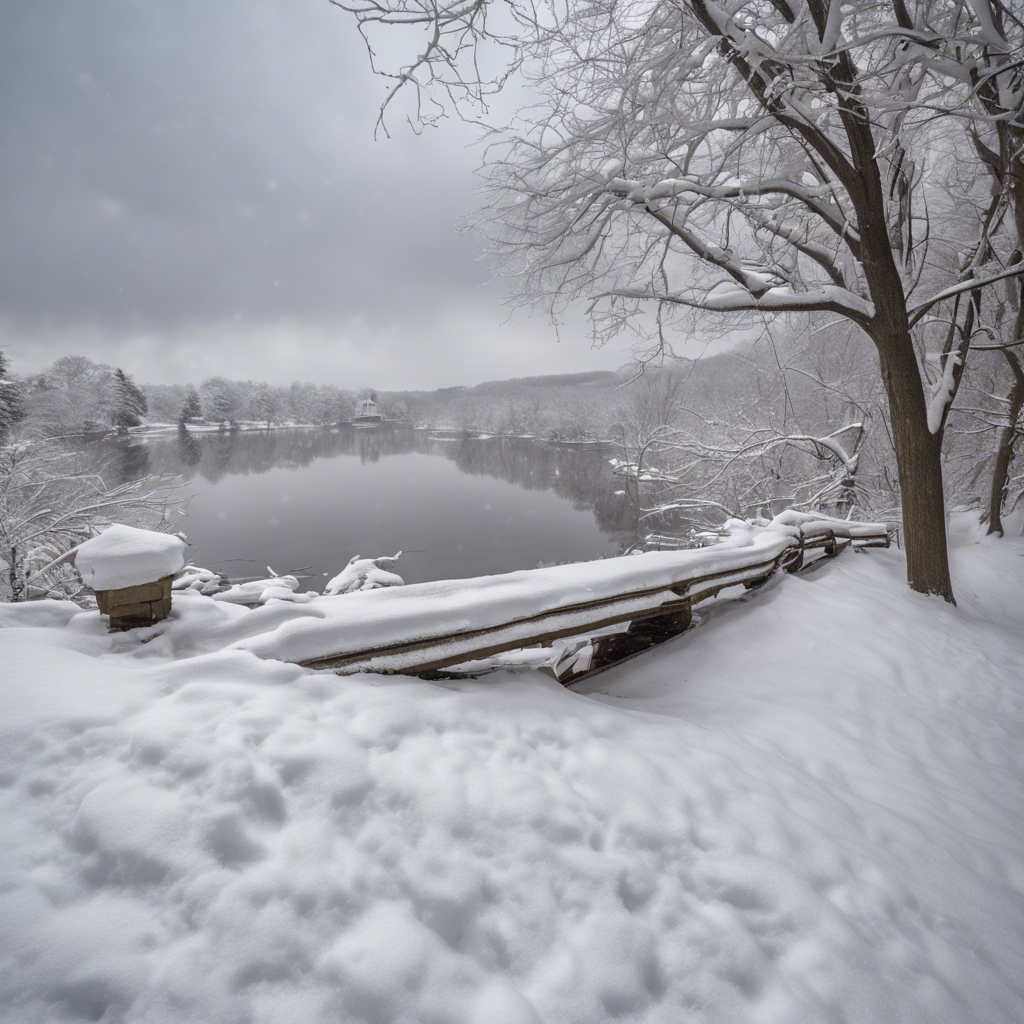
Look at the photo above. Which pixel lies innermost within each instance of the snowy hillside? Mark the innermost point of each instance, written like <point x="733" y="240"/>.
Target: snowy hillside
<point x="807" y="809"/>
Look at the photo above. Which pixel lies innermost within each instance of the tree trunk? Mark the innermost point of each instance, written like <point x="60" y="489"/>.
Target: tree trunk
<point x="918" y="459"/>
<point x="1008" y="435"/>
<point x="16" y="575"/>
<point x="1004" y="449"/>
<point x="918" y="450"/>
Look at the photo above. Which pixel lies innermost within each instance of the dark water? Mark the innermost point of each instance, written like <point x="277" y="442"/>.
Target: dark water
<point x="458" y="507"/>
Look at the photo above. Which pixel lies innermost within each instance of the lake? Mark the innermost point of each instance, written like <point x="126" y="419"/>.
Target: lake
<point x="456" y="507"/>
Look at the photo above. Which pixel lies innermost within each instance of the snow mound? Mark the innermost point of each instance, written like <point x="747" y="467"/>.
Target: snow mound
<point x="259" y="591"/>
<point x="365" y="574"/>
<point x="194" y="577"/>
<point x="807" y="809"/>
<point x="123" y="556"/>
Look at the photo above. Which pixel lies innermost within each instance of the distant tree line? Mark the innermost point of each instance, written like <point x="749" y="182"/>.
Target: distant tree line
<point x="224" y="401"/>
<point x="74" y="394"/>
<point x="11" y="410"/>
<point x="784" y="421"/>
<point x="78" y="395"/>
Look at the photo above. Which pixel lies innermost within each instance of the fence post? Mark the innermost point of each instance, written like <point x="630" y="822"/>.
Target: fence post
<point x="798" y="562"/>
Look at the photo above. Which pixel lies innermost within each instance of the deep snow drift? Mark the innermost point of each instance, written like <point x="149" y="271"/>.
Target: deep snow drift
<point x="806" y="809"/>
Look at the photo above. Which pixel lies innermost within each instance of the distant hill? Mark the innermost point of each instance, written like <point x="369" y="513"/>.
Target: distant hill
<point x="552" y="380"/>
<point x="591" y="378"/>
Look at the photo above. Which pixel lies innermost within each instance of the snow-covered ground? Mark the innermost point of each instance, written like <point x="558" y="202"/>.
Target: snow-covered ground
<point x="807" y="809"/>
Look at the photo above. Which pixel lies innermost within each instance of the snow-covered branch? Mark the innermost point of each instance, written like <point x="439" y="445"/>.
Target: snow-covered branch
<point x="826" y="298"/>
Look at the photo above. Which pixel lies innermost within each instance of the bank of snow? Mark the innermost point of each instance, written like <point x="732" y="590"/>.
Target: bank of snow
<point x="807" y="809"/>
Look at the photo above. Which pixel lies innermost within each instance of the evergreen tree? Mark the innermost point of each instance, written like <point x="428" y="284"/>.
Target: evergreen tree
<point x="191" y="409"/>
<point x="129" y="403"/>
<point x="10" y="400"/>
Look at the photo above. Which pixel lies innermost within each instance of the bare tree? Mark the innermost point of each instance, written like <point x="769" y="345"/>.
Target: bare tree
<point x="999" y="141"/>
<point x="652" y="404"/>
<point x="74" y="394"/>
<point x="995" y="189"/>
<point x="1009" y="434"/>
<point x="51" y="500"/>
<point x="762" y="438"/>
<point x="743" y="158"/>
<point x="263" y="404"/>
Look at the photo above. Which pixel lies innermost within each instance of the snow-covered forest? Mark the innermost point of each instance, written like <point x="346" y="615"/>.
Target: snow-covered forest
<point x="856" y="161"/>
<point x="77" y="395"/>
<point x="789" y="420"/>
<point x="677" y="680"/>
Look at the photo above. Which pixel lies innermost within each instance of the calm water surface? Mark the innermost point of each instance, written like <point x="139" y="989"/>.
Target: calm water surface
<point x="456" y="507"/>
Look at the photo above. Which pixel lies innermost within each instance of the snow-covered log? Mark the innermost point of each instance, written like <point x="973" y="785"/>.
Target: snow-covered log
<point x="205" y="581"/>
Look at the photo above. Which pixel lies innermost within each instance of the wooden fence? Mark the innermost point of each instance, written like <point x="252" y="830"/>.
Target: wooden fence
<point x="422" y="628"/>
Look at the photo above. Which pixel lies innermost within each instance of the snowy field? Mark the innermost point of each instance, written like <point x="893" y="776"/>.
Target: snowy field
<point x="807" y="809"/>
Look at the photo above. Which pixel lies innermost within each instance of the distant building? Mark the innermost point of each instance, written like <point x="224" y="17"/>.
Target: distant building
<point x="367" y="411"/>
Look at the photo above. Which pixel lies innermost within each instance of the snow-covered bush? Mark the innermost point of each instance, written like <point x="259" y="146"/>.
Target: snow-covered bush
<point x="273" y="588"/>
<point x="204" y="581"/>
<point x="51" y="500"/>
<point x="365" y="574"/>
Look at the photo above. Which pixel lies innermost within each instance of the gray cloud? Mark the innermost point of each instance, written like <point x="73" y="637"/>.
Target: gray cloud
<point x="200" y="178"/>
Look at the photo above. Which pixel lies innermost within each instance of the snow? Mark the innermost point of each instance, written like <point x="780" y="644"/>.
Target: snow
<point x="365" y="574"/>
<point x="942" y="394"/>
<point x="508" y="604"/>
<point x="368" y="619"/>
<point x="259" y="591"/>
<point x="727" y="296"/>
<point x="194" y="577"/>
<point x="805" y="809"/>
<point x="123" y="556"/>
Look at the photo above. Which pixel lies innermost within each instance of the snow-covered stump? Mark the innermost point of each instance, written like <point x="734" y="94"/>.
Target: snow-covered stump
<point x="141" y="605"/>
<point x="131" y="571"/>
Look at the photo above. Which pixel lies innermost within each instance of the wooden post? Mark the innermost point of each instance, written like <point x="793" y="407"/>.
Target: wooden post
<point x="140" y="605"/>
<point x="641" y="634"/>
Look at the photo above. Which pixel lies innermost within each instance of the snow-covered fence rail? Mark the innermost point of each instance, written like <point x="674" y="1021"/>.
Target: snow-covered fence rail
<point x="428" y="626"/>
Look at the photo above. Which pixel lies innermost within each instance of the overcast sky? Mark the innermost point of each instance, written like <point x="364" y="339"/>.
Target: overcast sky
<point x="193" y="188"/>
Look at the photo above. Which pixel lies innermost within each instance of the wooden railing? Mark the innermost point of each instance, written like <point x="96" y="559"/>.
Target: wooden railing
<point x="425" y="627"/>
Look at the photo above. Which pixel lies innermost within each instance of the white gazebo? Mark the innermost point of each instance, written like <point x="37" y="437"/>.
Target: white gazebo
<point x="368" y="411"/>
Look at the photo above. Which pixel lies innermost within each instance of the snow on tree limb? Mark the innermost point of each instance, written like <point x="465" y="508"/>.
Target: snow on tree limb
<point x="784" y="143"/>
<point x="974" y="284"/>
<point x="773" y="300"/>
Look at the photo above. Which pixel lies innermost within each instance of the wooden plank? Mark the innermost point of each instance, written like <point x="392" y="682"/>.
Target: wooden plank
<point x="541" y="628"/>
<point x="610" y="652"/>
<point x="441" y="649"/>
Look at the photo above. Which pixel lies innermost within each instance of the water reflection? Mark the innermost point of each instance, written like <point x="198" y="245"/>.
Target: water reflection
<point x="127" y="460"/>
<point x="190" y="451"/>
<point x="352" y="500"/>
<point x="580" y="474"/>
